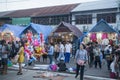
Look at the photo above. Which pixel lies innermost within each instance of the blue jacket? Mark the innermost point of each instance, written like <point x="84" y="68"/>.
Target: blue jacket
<point x="51" y="50"/>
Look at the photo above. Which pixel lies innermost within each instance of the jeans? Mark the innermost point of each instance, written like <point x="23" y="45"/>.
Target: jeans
<point x="108" y="64"/>
<point x="91" y="61"/>
<point x="67" y="57"/>
<point x="56" y="55"/>
<point x="81" y="68"/>
<point x="61" y="55"/>
<point x="50" y="58"/>
<point x="97" y="61"/>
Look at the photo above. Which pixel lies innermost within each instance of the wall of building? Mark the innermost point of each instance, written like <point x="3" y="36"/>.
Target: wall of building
<point x="21" y="21"/>
<point x="87" y="27"/>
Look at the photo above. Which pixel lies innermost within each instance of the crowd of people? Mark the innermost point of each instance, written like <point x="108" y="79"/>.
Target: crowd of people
<point x="100" y="54"/>
<point x="92" y="53"/>
<point x="27" y="53"/>
<point x="8" y="51"/>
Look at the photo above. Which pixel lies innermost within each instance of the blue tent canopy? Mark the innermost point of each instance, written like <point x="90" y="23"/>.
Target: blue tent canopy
<point x="83" y="36"/>
<point x="16" y="30"/>
<point x="102" y="26"/>
<point x="37" y="28"/>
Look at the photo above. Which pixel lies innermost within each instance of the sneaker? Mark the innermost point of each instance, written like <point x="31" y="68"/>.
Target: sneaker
<point x="76" y="76"/>
<point x="19" y="73"/>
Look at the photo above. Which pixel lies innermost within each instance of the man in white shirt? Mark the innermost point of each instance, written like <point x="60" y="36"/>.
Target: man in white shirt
<point x="105" y="41"/>
<point x="61" y="50"/>
<point x="68" y="48"/>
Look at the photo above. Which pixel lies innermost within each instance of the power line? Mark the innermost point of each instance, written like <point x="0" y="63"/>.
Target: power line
<point x="14" y="1"/>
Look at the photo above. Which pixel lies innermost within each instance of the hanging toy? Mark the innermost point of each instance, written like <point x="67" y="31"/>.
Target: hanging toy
<point x="36" y="43"/>
<point x="27" y="51"/>
<point x="41" y="38"/>
<point x="29" y="36"/>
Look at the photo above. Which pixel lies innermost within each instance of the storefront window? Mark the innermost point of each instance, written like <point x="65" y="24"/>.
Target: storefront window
<point x="50" y="20"/>
<point x="83" y="19"/>
<point x="109" y="17"/>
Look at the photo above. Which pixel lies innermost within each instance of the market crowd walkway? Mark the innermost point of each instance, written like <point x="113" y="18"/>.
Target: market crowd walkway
<point x="34" y="73"/>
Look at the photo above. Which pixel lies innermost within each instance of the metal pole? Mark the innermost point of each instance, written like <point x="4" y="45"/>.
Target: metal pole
<point x="118" y="12"/>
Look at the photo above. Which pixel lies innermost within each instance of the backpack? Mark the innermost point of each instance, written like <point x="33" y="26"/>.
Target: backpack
<point x="62" y="66"/>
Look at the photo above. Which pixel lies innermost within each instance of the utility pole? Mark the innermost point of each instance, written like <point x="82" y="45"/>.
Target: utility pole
<point x="118" y="14"/>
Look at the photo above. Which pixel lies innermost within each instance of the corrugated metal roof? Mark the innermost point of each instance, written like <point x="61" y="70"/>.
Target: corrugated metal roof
<point x="5" y="13"/>
<point x="96" y="5"/>
<point x="53" y="10"/>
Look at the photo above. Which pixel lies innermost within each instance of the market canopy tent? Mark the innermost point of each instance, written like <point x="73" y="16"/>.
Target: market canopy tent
<point x="14" y="29"/>
<point x="66" y="27"/>
<point x="102" y="26"/>
<point x="37" y="29"/>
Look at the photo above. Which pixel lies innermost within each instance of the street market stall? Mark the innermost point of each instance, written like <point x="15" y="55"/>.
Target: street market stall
<point x="35" y="35"/>
<point x="65" y="32"/>
<point x="37" y="31"/>
<point x="10" y="32"/>
<point x="102" y="33"/>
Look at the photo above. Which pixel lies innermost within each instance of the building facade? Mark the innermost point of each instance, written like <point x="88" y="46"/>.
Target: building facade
<point x="52" y="15"/>
<point x="86" y="15"/>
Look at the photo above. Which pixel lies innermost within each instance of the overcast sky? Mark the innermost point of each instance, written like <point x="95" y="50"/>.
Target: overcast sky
<point x="6" y="5"/>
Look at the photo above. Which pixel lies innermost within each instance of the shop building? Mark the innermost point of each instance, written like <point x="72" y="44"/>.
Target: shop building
<point x="51" y="15"/>
<point x="86" y="15"/>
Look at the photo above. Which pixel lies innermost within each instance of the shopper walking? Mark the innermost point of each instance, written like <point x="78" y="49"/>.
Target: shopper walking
<point x="51" y="53"/>
<point x="21" y="58"/>
<point x="97" y="53"/>
<point x="61" y="50"/>
<point x="81" y="59"/>
<point x="68" y="51"/>
<point x="4" y="57"/>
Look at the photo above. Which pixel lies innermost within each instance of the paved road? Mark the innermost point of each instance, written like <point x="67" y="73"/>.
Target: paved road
<point x="28" y="75"/>
<point x="90" y="74"/>
<point x="94" y="71"/>
<point x="91" y="71"/>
